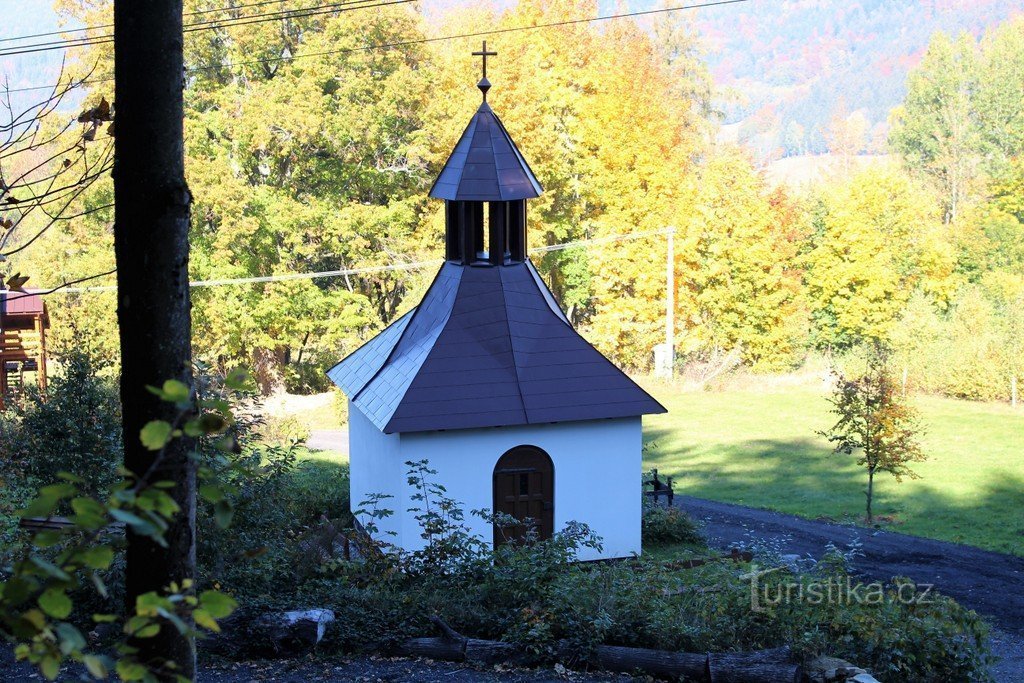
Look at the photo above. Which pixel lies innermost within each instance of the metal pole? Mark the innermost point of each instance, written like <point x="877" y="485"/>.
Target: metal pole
<point x="670" y="302"/>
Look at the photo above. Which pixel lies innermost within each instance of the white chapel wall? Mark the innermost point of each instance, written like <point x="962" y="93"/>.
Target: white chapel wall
<point x="597" y="475"/>
<point x="375" y="466"/>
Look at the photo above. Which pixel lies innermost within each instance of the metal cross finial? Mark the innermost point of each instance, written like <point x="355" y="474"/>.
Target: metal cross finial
<point x="484" y="84"/>
<point x="485" y="54"/>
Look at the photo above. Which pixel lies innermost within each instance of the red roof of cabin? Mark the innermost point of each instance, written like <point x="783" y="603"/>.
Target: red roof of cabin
<point x="21" y="303"/>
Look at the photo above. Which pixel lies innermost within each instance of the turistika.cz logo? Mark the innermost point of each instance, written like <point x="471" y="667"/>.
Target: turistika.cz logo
<point x="766" y="594"/>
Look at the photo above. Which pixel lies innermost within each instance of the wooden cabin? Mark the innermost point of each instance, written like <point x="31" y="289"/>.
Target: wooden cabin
<point x="23" y="325"/>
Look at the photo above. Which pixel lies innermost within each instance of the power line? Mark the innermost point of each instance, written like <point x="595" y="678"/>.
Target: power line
<point x="102" y="26"/>
<point x="416" y="265"/>
<point x="389" y="46"/>
<point x="314" y="10"/>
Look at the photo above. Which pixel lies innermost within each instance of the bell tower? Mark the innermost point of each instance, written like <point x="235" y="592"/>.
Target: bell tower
<point x="485" y="184"/>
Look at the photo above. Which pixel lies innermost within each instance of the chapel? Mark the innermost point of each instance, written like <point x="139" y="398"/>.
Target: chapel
<point x="487" y="380"/>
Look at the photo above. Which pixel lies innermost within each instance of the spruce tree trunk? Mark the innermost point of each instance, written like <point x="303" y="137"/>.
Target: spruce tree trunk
<point x="151" y="245"/>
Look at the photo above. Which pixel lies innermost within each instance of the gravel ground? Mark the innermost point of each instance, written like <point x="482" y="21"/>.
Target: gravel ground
<point x="356" y="670"/>
<point x="991" y="584"/>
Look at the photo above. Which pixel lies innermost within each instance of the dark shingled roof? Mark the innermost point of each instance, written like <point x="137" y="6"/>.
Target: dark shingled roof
<point x="487" y="347"/>
<point x="486" y="165"/>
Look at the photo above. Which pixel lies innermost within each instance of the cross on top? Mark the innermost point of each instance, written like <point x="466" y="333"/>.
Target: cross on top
<point x="485" y="54"/>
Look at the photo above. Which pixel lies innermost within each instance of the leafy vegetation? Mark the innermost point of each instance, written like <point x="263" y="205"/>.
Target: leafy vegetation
<point x="530" y="594"/>
<point x="323" y="162"/>
<point x="42" y="580"/>
<point x="664" y="525"/>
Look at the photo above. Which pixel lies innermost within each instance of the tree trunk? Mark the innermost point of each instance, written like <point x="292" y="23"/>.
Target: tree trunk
<point x="870" y="492"/>
<point x="1013" y="391"/>
<point x="152" y="205"/>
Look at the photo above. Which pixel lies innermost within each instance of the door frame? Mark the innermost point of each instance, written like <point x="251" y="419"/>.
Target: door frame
<point x="542" y="462"/>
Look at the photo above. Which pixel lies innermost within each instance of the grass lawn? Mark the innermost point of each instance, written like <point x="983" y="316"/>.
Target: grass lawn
<point x="761" y="449"/>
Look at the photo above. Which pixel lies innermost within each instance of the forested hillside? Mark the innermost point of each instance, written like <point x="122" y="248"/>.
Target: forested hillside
<point x="311" y="148"/>
<point x="791" y="66"/>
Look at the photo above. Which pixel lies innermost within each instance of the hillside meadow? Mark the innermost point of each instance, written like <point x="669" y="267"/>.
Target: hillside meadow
<point x="761" y="448"/>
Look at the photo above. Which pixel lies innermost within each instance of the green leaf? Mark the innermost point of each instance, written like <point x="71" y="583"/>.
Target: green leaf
<point x="44" y="504"/>
<point x="49" y="569"/>
<point x="96" y="557"/>
<point x="130" y="670"/>
<point x="55" y="603"/>
<point x="222" y="513"/>
<point x="173" y="391"/>
<point x="156" y="434"/>
<point x="71" y="639"/>
<point x="18" y="589"/>
<point x="97" y="581"/>
<point x="47" y="539"/>
<point x="212" y="423"/>
<point x="104" y="618"/>
<point x="211" y="492"/>
<point x="177" y="392"/>
<point x="97" y="666"/>
<point x="203" y="618"/>
<point x="149" y="603"/>
<point x="49" y="665"/>
<point x="218" y="605"/>
<point x="138" y="524"/>
<point x="88" y="513"/>
<point x="148" y="631"/>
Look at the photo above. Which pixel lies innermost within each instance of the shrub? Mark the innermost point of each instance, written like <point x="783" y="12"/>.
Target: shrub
<point x="75" y="428"/>
<point x="662" y="525"/>
<point x="532" y="594"/>
<point x="306" y="378"/>
<point x="283" y="430"/>
<point x="276" y="500"/>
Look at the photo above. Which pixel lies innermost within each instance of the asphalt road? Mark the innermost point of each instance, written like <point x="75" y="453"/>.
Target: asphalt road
<point x="328" y="440"/>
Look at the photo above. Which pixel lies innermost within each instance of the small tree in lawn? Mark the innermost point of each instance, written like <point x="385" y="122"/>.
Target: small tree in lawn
<point x="876" y="422"/>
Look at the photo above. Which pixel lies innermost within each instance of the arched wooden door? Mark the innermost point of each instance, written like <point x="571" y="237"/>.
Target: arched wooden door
<point x="524" y="486"/>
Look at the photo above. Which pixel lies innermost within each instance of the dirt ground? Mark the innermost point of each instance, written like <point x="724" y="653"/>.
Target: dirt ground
<point x="355" y="670"/>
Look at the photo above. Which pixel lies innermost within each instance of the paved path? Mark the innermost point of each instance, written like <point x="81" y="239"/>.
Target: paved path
<point x="328" y="440"/>
<point x="990" y="583"/>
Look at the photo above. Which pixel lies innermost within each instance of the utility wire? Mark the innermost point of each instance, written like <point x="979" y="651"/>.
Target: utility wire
<point x="103" y="26"/>
<point x="315" y="10"/>
<point x="67" y="288"/>
<point x="389" y="46"/>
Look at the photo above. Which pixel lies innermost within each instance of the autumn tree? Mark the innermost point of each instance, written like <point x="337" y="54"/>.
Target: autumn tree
<point x="740" y="286"/>
<point x="875" y="239"/>
<point x="876" y="424"/>
<point x="847" y="135"/>
<point x="936" y="129"/>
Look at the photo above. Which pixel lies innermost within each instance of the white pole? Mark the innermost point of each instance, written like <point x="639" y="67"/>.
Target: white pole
<point x="670" y="302"/>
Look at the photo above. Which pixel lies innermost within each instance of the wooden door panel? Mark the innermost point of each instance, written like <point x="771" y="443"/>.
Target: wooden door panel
<point x="524" y="487"/>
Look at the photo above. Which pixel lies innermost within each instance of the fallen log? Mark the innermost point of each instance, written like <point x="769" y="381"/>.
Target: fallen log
<point x="444" y="649"/>
<point x="491" y="652"/>
<point x="767" y="666"/>
<point x="656" y="662"/>
<point x="763" y="666"/>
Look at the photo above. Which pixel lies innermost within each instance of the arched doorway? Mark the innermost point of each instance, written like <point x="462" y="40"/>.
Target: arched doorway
<point x="524" y="486"/>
